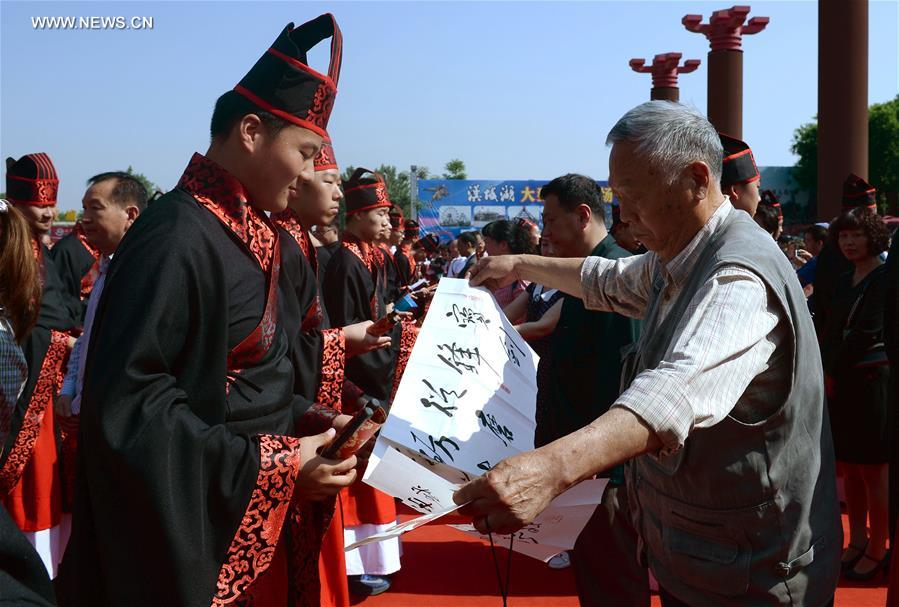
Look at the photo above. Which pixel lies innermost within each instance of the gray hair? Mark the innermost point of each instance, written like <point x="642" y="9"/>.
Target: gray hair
<point x="670" y="136"/>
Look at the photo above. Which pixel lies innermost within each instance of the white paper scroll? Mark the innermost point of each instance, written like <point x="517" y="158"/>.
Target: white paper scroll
<point x="467" y="401"/>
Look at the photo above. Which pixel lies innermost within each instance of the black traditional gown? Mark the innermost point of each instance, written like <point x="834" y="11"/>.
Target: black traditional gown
<point x="189" y="410"/>
<point x="78" y="264"/>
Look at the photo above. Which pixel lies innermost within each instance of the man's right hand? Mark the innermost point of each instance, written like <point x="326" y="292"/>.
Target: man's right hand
<point x="63" y="406"/>
<point x="494" y="271"/>
<point x="321" y="478"/>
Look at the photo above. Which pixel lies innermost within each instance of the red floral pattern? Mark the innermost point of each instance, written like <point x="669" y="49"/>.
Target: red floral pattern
<point x="322" y="104"/>
<point x="225" y="197"/>
<point x="88" y="280"/>
<point x="253" y="546"/>
<point x="407" y="341"/>
<point x="48" y="384"/>
<point x="333" y="367"/>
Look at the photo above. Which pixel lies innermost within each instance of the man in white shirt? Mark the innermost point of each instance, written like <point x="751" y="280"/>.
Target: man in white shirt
<point x="466" y="244"/>
<point x="111" y="204"/>
<point x="721" y="421"/>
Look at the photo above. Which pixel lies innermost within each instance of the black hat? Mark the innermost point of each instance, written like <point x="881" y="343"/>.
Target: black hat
<point x="365" y="193"/>
<point x="430" y="243"/>
<point x="858" y="193"/>
<point x="769" y="199"/>
<point x="31" y="180"/>
<point x="738" y="166"/>
<point x="411" y="229"/>
<point x="283" y="84"/>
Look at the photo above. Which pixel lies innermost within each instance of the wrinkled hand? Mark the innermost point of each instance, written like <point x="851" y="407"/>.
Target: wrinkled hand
<point x="359" y="340"/>
<point x="512" y="494"/>
<point x="803" y="256"/>
<point x="321" y="478"/>
<point x="494" y="271"/>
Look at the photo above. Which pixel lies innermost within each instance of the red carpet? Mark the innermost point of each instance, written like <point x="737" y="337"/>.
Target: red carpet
<point x="442" y="567"/>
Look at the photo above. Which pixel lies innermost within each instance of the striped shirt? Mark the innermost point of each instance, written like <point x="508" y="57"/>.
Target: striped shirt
<point x="725" y="338"/>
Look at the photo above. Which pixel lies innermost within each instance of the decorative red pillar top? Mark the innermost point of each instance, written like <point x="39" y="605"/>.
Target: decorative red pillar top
<point x="664" y="68"/>
<point x="726" y="28"/>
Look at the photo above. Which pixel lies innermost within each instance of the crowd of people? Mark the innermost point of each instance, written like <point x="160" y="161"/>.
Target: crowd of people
<point x="172" y="369"/>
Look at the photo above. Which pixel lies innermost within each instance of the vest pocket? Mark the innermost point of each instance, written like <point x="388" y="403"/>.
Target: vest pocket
<point x="716" y="560"/>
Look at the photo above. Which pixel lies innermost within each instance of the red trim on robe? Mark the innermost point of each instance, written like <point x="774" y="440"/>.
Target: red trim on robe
<point x="333" y="368"/>
<point x="332" y="564"/>
<point x="407" y="341"/>
<point x="365" y="505"/>
<point x="256" y="539"/>
<point x="48" y="383"/>
<point x="88" y="280"/>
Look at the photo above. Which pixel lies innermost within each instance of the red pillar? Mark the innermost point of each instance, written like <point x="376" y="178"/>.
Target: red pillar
<point x="725" y="31"/>
<point x="842" y="99"/>
<point x="664" y="70"/>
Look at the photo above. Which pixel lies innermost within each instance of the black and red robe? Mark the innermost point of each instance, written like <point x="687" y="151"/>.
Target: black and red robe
<point x="190" y="412"/>
<point x="78" y="263"/>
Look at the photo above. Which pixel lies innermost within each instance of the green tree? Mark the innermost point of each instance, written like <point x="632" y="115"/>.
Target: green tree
<point x="454" y="169"/>
<point x="151" y="187"/>
<point x="883" y="150"/>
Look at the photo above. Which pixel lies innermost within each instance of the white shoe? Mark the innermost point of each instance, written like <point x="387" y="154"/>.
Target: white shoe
<point x="560" y="561"/>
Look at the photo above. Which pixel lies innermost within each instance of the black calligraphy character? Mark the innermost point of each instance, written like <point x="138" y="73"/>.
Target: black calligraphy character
<point x="425" y="492"/>
<point x="465" y="316"/>
<point x="485" y="466"/>
<point x="513" y="350"/>
<point x="501" y="432"/>
<point x="443" y="394"/>
<point x="421" y="504"/>
<point x="432" y="446"/>
<point x="457" y="357"/>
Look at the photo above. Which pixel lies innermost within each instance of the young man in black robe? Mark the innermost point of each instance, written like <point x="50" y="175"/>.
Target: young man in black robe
<point x="30" y="481"/>
<point x="355" y="289"/>
<point x="188" y="403"/>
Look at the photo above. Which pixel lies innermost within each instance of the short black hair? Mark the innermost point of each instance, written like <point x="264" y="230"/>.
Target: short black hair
<point x="866" y="220"/>
<point x="468" y="238"/>
<point x="231" y="107"/>
<point x="510" y="232"/>
<point x="818" y="233"/>
<point x="128" y="188"/>
<point x="573" y="190"/>
<point x="767" y="217"/>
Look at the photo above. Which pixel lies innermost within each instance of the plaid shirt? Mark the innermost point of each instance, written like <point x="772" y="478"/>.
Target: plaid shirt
<point x="13" y="373"/>
<point x="725" y="338"/>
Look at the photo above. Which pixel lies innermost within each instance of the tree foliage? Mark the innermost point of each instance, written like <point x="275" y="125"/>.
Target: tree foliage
<point x="883" y="150"/>
<point x="454" y="169"/>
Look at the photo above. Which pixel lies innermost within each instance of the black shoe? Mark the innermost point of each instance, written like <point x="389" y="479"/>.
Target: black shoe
<point x="880" y="565"/>
<point x="847" y="565"/>
<point x="368" y="585"/>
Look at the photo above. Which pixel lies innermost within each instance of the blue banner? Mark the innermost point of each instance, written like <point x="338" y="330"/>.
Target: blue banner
<point x="452" y="206"/>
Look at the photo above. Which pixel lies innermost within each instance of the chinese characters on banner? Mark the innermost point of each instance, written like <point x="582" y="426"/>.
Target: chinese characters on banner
<point x="452" y="206"/>
<point x="467" y="401"/>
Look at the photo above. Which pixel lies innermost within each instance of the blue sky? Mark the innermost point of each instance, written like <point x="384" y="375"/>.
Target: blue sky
<point x="518" y="90"/>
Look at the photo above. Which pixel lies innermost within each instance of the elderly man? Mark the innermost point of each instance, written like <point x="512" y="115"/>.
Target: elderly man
<point x="721" y="420"/>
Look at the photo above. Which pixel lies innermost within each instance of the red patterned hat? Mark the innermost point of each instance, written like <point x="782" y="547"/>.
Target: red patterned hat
<point x="325" y="160"/>
<point x="738" y="166"/>
<point x="283" y="84"/>
<point x="412" y="229"/>
<point x="365" y="193"/>
<point x="429" y="243"/>
<point x="396" y="217"/>
<point x="858" y="193"/>
<point x="32" y="180"/>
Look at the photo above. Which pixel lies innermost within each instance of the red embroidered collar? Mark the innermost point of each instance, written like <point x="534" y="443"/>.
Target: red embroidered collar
<point x="224" y="195"/>
<point x="290" y="223"/>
